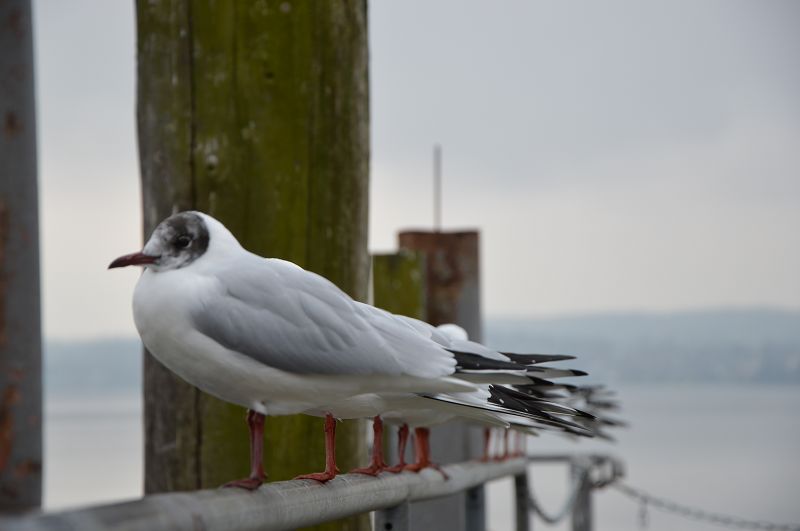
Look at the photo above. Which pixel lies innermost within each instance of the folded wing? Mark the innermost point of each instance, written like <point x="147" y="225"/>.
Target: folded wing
<point x="291" y="319"/>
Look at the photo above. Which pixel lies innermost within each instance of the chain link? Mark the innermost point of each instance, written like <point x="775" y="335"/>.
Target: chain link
<point x="646" y="500"/>
<point x="554" y="518"/>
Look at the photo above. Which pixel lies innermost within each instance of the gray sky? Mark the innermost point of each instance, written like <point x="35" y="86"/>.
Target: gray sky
<point x="619" y="155"/>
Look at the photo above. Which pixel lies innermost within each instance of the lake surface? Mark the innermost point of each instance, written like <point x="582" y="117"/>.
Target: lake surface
<point x="726" y="448"/>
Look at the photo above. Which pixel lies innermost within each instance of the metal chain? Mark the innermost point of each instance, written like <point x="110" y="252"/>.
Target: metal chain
<point x="565" y="509"/>
<point x="647" y="500"/>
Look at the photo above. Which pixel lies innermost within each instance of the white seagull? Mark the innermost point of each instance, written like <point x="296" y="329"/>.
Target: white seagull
<point x="489" y="406"/>
<point x="276" y="339"/>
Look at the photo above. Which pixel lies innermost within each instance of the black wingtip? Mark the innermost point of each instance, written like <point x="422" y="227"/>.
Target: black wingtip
<point x="475" y="362"/>
<point x="536" y="358"/>
<point x="555" y="372"/>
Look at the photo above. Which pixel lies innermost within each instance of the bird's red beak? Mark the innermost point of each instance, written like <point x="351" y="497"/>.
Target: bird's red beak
<point x="133" y="259"/>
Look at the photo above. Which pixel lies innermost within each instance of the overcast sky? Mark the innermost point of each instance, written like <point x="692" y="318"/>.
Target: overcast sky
<point x="616" y="156"/>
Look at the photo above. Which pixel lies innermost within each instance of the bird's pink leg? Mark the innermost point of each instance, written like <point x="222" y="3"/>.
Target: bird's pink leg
<point x="420" y="460"/>
<point x="255" y="423"/>
<point x="520" y="440"/>
<point x="402" y="439"/>
<point x="377" y="464"/>
<point x="504" y="455"/>
<point x="422" y="444"/>
<point x="487" y="438"/>
<point x="330" y="453"/>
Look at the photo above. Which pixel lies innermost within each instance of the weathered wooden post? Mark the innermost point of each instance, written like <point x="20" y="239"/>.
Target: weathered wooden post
<point x="398" y="286"/>
<point x="398" y="283"/>
<point x="452" y="277"/>
<point x="258" y="114"/>
<point x="20" y="328"/>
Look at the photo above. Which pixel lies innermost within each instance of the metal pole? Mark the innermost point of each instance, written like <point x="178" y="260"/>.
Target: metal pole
<point x="20" y="321"/>
<point x="475" y="509"/>
<point x="582" y="509"/>
<point x="437" y="187"/>
<point x="275" y="506"/>
<point x="392" y="519"/>
<point x="521" y="497"/>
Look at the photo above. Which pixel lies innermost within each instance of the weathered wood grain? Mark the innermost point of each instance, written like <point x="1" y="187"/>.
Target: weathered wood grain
<point x="257" y="113"/>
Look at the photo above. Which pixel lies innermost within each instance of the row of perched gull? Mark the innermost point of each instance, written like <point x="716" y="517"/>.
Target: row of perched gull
<point x="279" y="340"/>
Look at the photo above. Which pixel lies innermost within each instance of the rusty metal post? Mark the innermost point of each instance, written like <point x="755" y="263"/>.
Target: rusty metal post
<point x="582" y="507"/>
<point x="20" y="322"/>
<point x="521" y="502"/>
<point x="392" y="519"/>
<point x="452" y="277"/>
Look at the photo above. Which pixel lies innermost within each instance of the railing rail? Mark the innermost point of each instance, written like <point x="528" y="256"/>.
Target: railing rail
<point x="293" y="504"/>
<point x="275" y="506"/>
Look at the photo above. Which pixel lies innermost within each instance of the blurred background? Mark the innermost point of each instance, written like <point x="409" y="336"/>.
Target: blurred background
<point x="634" y="170"/>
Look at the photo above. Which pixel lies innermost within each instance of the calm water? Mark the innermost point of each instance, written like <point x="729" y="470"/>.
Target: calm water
<point x="730" y="449"/>
<point x="725" y="448"/>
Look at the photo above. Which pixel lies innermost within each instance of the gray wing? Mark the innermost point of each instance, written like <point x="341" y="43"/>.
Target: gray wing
<point x="287" y="318"/>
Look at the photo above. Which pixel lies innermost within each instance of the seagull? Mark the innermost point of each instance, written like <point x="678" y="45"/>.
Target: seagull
<point x="489" y="405"/>
<point x="539" y="410"/>
<point x="276" y="339"/>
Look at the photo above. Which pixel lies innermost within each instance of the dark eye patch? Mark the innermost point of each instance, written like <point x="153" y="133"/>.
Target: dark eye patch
<point x="183" y="241"/>
<point x="184" y="237"/>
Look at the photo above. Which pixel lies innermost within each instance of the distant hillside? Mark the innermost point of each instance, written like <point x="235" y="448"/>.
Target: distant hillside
<point x="751" y="345"/>
<point x="718" y="346"/>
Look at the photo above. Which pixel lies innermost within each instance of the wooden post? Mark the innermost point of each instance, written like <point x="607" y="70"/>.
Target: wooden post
<point x="398" y="286"/>
<point x="452" y="278"/>
<point x="20" y="322"/>
<point x="258" y="114"/>
<point x="398" y="283"/>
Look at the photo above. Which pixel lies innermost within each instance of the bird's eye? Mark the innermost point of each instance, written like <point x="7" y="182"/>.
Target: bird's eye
<point x="182" y="241"/>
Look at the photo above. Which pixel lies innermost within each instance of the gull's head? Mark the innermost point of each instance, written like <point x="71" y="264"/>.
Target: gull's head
<point x="177" y="242"/>
<point x="453" y="332"/>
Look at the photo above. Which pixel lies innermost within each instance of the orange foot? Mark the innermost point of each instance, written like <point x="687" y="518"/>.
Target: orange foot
<point x="415" y="467"/>
<point x="246" y="483"/>
<point x="396" y="469"/>
<point x="371" y="470"/>
<point x="322" y="477"/>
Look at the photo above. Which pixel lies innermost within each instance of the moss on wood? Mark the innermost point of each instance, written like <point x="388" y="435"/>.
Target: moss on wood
<point x="257" y="113"/>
